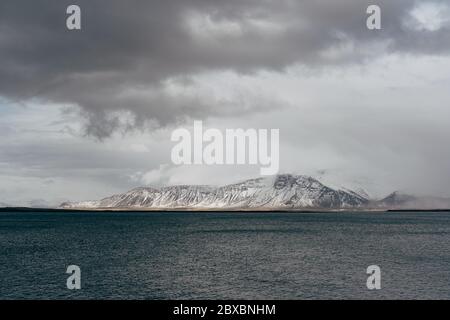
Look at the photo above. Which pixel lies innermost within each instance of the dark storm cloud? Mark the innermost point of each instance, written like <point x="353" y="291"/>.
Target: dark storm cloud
<point x="126" y="50"/>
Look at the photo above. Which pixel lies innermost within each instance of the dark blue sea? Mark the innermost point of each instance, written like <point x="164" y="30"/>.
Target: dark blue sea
<point x="129" y="255"/>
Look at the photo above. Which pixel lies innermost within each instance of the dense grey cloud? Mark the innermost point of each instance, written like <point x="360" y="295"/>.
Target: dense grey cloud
<point x="117" y="67"/>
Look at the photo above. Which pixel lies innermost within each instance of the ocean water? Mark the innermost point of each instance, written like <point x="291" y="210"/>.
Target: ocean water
<point x="131" y="255"/>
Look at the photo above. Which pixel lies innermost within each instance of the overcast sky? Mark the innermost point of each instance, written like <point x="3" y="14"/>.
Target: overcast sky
<point x="88" y="113"/>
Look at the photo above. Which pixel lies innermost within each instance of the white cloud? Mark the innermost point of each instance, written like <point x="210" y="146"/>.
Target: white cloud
<point x="205" y="26"/>
<point x="429" y="16"/>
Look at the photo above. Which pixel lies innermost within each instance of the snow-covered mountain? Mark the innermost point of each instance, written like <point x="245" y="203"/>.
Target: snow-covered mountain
<point x="281" y="191"/>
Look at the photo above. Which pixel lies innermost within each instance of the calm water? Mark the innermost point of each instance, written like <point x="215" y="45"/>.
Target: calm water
<point x="224" y="255"/>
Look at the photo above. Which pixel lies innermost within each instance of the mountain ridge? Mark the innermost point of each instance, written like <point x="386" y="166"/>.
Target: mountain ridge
<point x="281" y="191"/>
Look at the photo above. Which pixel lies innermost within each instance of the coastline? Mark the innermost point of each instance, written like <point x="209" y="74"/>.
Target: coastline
<point x="205" y="210"/>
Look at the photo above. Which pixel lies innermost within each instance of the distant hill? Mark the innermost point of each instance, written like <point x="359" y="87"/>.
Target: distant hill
<point x="398" y="200"/>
